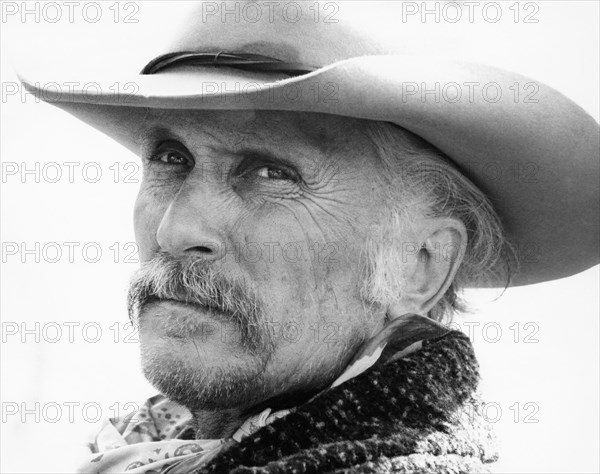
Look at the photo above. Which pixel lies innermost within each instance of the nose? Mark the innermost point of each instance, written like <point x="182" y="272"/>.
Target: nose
<point x="193" y="224"/>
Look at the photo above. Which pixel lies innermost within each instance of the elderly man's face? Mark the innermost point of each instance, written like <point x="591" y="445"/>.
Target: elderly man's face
<point x="252" y="225"/>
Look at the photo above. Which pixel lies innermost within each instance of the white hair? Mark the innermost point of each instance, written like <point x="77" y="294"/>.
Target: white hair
<point x="424" y="182"/>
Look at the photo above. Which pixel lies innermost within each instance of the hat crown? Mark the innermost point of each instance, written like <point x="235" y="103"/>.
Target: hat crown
<point x="311" y="33"/>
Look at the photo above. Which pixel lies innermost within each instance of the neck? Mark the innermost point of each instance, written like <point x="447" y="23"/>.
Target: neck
<point x="217" y="424"/>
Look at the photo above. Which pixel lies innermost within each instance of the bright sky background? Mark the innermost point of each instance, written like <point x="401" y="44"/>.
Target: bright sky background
<point x="540" y="371"/>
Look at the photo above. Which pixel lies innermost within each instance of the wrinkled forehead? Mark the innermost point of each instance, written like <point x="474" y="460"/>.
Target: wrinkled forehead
<point x="325" y="133"/>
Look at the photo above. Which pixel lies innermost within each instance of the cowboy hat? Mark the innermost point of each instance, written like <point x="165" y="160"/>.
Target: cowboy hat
<point x="532" y="150"/>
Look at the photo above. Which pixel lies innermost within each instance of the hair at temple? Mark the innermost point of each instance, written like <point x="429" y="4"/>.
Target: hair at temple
<point x="425" y="182"/>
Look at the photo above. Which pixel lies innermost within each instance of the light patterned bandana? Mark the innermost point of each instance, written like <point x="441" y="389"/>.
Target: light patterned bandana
<point x="159" y="436"/>
<point x="147" y="440"/>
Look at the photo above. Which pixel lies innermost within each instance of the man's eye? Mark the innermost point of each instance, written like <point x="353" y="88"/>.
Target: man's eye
<point x="271" y="172"/>
<point x="172" y="158"/>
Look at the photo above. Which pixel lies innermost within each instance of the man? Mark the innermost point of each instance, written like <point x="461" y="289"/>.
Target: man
<point x="304" y="226"/>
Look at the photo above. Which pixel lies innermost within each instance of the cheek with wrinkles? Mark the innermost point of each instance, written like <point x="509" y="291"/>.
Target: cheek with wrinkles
<point x="335" y="213"/>
<point x="299" y="253"/>
<point x="161" y="184"/>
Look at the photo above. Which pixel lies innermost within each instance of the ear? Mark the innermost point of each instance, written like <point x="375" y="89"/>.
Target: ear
<point x="431" y="266"/>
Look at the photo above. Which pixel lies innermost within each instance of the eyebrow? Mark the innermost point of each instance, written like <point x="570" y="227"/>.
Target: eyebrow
<point x="151" y="136"/>
<point x="264" y="154"/>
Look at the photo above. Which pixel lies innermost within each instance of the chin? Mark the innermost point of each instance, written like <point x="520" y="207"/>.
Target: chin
<point x="203" y="375"/>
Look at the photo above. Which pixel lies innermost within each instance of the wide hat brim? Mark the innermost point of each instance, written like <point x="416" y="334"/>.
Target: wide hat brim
<point x="536" y="157"/>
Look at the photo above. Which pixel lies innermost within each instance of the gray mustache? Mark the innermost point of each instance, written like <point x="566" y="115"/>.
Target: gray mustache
<point x="195" y="281"/>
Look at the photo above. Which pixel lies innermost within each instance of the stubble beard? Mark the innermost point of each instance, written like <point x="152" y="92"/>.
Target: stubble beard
<point x="199" y="385"/>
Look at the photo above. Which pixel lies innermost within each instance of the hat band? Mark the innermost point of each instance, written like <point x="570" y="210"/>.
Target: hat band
<point x="245" y="61"/>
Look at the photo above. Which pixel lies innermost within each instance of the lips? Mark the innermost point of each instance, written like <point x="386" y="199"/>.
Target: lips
<point x="182" y="320"/>
<point x="183" y="302"/>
